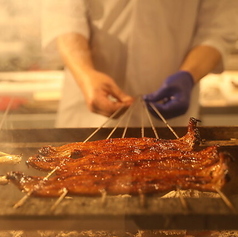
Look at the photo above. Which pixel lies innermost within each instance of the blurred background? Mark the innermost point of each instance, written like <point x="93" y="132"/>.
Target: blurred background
<point x="27" y="74"/>
<point x="34" y="79"/>
<point x="20" y="37"/>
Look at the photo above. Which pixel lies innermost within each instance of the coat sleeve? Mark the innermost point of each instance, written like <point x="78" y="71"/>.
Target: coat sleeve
<point x="62" y="16"/>
<point x="217" y="27"/>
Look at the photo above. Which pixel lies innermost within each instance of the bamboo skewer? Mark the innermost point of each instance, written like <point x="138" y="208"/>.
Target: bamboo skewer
<point x="58" y="201"/>
<point x="142" y="198"/>
<point x="128" y="112"/>
<point x="163" y="119"/>
<point x="129" y="116"/>
<point x="150" y="120"/>
<point x="226" y="201"/>
<point x="28" y="194"/>
<point x="23" y="199"/>
<point x="142" y="119"/>
<point x="108" y="120"/>
<point x="182" y="200"/>
<point x="6" y="112"/>
<point x="104" y="196"/>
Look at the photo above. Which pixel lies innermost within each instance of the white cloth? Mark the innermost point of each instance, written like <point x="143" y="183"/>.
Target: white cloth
<point x="139" y="43"/>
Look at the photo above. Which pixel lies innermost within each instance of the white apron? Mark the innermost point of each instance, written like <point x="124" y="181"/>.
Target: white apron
<point x="138" y="43"/>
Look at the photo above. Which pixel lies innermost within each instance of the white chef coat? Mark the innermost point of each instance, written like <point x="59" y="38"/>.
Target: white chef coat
<point x="138" y="43"/>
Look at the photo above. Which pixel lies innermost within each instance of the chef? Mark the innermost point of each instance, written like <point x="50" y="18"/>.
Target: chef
<point x="117" y="50"/>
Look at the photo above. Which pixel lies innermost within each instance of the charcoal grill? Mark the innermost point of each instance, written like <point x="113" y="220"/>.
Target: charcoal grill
<point x="123" y="211"/>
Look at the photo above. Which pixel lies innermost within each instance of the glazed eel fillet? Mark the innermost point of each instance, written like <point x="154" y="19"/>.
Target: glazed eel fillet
<point x="126" y="166"/>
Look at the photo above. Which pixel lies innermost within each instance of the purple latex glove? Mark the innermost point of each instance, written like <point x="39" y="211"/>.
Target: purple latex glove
<point x="173" y="98"/>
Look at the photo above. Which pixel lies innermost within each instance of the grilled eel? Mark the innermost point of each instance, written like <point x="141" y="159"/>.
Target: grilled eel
<point x="78" y="153"/>
<point x="126" y="166"/>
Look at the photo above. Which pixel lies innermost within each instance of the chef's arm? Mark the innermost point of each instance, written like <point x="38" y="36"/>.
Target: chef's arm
<point x="97" y="87"/>
<point x="200" y="61"/>
<point x="76" y="55"/>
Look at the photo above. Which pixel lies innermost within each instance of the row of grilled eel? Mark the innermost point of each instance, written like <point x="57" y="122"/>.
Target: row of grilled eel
<point x="126" y="166"/>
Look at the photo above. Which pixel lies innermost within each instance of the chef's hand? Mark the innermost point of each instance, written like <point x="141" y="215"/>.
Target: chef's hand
<point x="102" y="94"/>
<point x="173" y="98"/>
